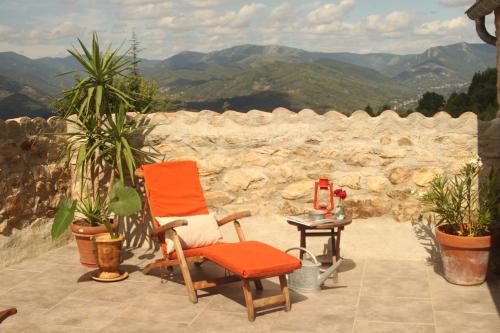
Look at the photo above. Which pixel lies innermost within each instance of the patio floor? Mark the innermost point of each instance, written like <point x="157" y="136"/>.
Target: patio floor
<point x="53" y="293"/>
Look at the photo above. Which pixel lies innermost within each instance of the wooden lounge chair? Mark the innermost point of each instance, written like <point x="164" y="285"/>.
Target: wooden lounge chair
<point x="5" y="313"/>
<point x="174" y="189"/>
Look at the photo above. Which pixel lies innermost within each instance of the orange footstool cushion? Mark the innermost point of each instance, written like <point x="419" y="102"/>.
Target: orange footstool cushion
<point x="249" y="259"/>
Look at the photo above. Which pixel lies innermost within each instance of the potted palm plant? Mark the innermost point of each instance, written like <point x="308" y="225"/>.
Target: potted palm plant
<point x="466" y="208"/>
<point x="98" y="151"/>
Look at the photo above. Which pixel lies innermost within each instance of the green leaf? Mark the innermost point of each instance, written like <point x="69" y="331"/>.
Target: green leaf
<point x="63" y="218"/>
<point x="125" y="200"/>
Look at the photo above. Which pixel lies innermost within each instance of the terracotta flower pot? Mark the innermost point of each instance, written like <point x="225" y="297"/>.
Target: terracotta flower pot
<point x="108" y="255"/>
<point x="83" y="236"/>
<point x="465" y="259"/>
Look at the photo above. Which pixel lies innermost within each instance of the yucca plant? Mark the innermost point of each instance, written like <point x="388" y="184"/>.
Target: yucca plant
<point x="98" y="140"/>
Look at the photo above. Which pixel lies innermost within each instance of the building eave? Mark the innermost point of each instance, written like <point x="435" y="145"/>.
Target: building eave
<point x="482" y="8"/>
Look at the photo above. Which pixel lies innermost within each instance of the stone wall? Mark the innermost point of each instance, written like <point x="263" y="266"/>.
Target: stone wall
<point x="267" y="162"/>
<point x="31" y="186"/>
<point x="264" y="162"/>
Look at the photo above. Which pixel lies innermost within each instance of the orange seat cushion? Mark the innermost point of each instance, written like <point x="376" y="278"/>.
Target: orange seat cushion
<point x="248" y="259"/>
<point x="174" y="189"/>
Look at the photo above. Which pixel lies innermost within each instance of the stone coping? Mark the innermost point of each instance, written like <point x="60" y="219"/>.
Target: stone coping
<point x="276" y="113"/>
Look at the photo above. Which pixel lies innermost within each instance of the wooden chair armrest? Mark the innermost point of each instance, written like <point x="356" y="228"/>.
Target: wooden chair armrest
<point x="7" y="313"/>
<point x="164" y="228"/>
<point x="234" y="217"/>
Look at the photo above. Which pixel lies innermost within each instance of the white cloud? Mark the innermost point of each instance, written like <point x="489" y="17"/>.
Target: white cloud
<point x="126" y="2"/>
<point x="211" y="18"/>
<point x="330" y="12"/>
<point x="56" y="31"/>
<point x="394" y="22"/>
<point x="445" y="27"/>
<point x="147" y="11"/>
<point x="4" y="29"/>
<point x="456" y="3"/>
<point x="243" y="16"/>
<point x="206" y="3"/>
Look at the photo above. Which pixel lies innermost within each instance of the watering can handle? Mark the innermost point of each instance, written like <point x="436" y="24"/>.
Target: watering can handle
<point x="305" y="250"/>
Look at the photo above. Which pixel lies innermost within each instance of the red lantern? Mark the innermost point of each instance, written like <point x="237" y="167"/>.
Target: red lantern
<point x="323" y="194"/>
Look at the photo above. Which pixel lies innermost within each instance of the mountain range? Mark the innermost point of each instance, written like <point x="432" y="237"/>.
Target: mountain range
<point x="263" y="77"/>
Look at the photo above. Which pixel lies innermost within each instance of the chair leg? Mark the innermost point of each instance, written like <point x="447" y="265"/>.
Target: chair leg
<point x="286" y="292"/>
<point x="157" y="264"/>
<point x="189" y="283"/>
<point x="258" y="285"/>
<point x="184" y="268"/>
<point x="248" y="300"/>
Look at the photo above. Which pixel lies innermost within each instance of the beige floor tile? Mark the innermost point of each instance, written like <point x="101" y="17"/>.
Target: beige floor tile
<point x="394" y="296"/>
<point x="382" y="327"/>
<point x="9" y="278"/>
<point x="453" y="322"/>
<point x="124" y="291"/>
<point x="389" y="285"/>
<point x="83" y="313"/>
<point x="41" y="327"/>
<point x="131" y="325"/>
<point x="393" y="309"/>
<point x="396" y="268"/>
<point x="30" y="295"/>
<point x="322" y="319"/>
<point x="164" y="307"/>
<point x="215" y="321"/>
<point x="326" y="299"/>
<point x="460" y="299"/>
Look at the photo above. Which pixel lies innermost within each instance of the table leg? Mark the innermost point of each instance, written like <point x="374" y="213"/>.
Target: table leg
<point x="302" y="242"/>
<point x="334" y="247"/>
<point x="335" y="252"/>
<point x="337" y="244"/>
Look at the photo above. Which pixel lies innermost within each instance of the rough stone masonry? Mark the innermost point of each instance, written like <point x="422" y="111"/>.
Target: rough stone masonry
<point x="264" y="162"/>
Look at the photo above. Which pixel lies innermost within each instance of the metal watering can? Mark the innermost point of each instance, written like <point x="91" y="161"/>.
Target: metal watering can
<point x="309" y="278"/>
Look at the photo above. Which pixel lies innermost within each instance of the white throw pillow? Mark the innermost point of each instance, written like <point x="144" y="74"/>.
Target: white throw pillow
<point x="202" y="230"/>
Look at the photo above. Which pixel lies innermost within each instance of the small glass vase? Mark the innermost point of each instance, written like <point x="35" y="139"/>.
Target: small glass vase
<point x="340" y="211"/>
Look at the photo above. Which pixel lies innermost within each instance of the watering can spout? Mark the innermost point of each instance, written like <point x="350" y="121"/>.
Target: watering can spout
<point x="329" y="271"/>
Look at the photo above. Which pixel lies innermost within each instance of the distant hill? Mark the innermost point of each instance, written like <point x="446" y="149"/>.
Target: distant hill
<point x="253" y="76"/>
<point x="318" y="85"/>
<point x="18" y="100"/>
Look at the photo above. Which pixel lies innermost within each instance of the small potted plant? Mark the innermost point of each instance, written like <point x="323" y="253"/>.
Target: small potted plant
<point x="99" y="152"/>
<point x="465" y="207"/>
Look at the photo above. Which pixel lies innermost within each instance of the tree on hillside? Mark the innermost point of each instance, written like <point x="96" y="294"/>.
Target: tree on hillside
<point x="370" y="110"/>
<point x="134" y="52"/>
<point x="481" y="97"/>
<point x="141" y="90"/>
<point x="458" y="104"/>
<point x="383" y="108"/>
<point x="226" y="106"/>
<point x="430" y="103"/>
<point x="483" y="94"/>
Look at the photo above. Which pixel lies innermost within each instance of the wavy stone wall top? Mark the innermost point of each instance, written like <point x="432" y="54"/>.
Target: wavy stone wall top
<point x="387" y="121"/>
<point x="23" y="126"/>
<point x="282" y="115"/>
<point x="301" y="122"/>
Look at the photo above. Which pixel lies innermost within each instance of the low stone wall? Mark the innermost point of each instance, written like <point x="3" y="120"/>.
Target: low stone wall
<point x="264" y="162"/>
<point x="31" y="186"/>
<point x="267" y="162"/>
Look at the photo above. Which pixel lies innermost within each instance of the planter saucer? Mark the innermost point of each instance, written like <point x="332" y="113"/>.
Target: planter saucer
<point x="106" y="277"/>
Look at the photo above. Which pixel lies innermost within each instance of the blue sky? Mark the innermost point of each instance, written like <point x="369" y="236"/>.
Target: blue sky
<point x="164" y="27"/>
